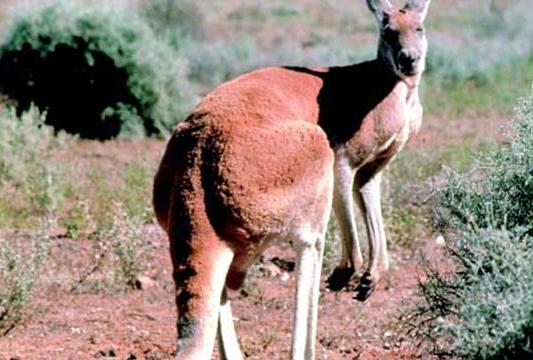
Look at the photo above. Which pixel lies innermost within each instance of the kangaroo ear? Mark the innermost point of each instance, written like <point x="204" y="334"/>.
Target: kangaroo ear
<point x="379" y="9"/>
<point x="418" y="6"/>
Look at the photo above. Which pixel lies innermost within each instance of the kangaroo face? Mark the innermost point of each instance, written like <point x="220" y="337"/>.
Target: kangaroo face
<point x="402" y="40"/>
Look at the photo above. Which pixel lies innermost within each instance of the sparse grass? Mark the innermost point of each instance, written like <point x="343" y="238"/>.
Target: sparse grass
<point x="215" y="62"/>
<point x="480" y="59"/>
<point x="478" y="95"/>
<point x="132" y="188"/>
<point x="110" y="206"/>
<point x="136" y="191"/>
<point x="34" y="185"/>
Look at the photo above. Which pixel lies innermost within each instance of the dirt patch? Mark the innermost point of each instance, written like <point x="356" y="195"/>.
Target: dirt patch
<point x="101" y="323"/>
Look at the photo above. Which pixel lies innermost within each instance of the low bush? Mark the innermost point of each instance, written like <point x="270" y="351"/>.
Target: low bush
<point x="483" y="309"/>
<point x="28" y="179"/>
<point x="119" y="252"/>
<point x="499" y="192"/>
<point x="127" y="241"/>
<point x="19" y="270"/>
<point x="97" y="71"/>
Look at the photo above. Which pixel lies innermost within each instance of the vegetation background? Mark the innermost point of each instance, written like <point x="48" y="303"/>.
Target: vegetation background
<point x="75" y="216"/>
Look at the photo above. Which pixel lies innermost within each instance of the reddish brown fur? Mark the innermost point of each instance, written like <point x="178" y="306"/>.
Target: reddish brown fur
<point x="235" y="182"/>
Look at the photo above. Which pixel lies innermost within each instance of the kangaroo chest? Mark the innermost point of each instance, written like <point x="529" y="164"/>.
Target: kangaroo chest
<point x="386" y="129"/>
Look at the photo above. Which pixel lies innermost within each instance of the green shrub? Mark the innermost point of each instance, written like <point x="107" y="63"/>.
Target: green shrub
<point x="19" y="268"/>
<point x="29" y="186"/>
<point x="128" y="244"/>
<point x="119" y="252"/>
<point x="498" y="194"/>
<point x="77" y="220"/>
<point x="97" y="71"/>
<point x="483" y="309"/>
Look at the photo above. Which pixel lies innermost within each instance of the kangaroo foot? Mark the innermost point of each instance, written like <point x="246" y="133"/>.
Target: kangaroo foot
<point x="339" y="278"/>
<point x="365" y="288"/>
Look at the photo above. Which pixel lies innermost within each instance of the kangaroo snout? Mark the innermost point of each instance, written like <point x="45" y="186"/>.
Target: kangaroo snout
<point x="408" y="62"/>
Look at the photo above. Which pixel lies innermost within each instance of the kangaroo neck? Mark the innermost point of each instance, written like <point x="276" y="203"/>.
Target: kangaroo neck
<point x="411" y="82"/>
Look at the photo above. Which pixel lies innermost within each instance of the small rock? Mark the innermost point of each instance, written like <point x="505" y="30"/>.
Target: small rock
<point x="144" y="282"/>
<point x="76" y="330"/>
<point x="272" y="270"/>
<point x="440" y="241"/>
<point x="284" y="277"/>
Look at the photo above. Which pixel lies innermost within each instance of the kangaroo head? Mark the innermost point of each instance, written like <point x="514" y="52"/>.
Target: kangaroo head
<point x="402" y="40"/>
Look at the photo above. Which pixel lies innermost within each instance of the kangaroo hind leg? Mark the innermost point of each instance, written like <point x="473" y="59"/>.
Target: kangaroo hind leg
<point x="228" y="346"/>
<point x="351" y="258"/>
<point x="200" y="279"/>
<point x="368" y="196"/>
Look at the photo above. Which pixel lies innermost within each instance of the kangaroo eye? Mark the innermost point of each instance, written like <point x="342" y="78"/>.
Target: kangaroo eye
<point x="420" y="30"/>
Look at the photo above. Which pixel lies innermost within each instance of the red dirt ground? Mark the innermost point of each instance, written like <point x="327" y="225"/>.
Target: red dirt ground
<point x="140" y="324"/>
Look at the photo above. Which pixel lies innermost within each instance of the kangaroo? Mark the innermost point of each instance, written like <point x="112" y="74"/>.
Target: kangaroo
<point x="263" y="158"/>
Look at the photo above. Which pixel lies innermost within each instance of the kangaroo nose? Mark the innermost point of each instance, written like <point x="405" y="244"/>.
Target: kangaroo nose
<point x="407" y="60"/>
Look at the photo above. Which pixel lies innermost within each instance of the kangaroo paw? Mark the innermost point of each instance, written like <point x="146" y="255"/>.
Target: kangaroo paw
<point x="365" y="288"/>
<point x="339" y="278"/>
